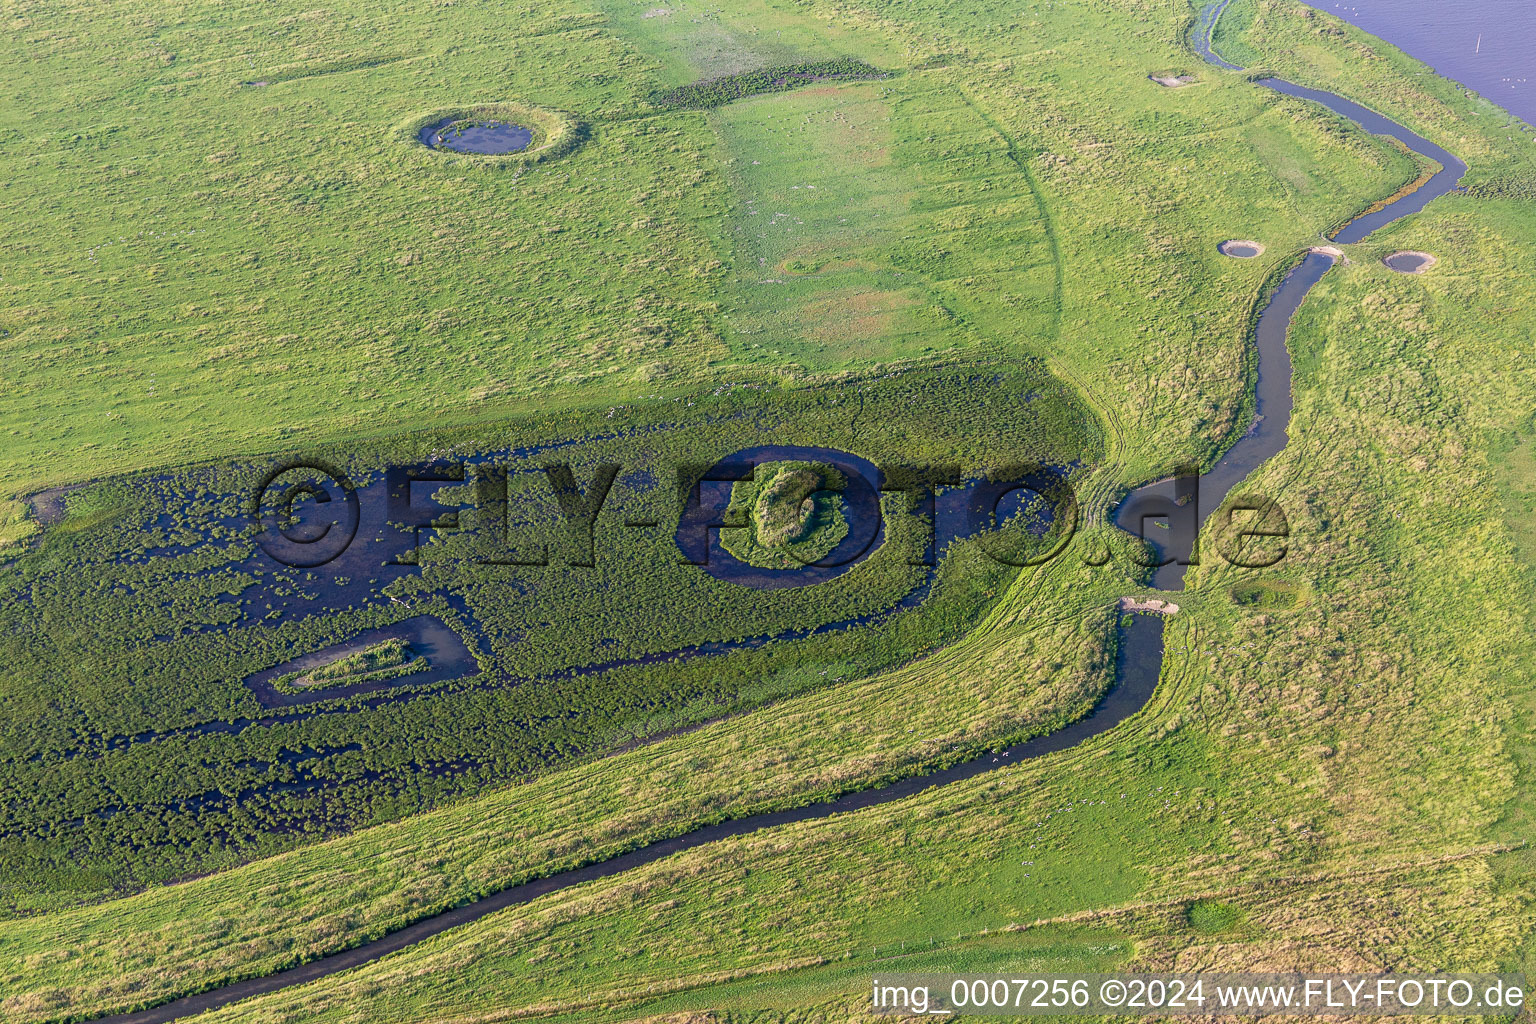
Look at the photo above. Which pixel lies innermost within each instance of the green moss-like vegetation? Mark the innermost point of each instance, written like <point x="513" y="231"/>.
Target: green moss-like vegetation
<point x="1212" y="917"/>
<point x="1229" y="37"/>
<point x="717" y="92"/>
<point x="182" y="614"/>
<point x="1263" y="594"/>
<point x="354" y="670"/>
<point x="792" y="512"/>
<point x="386" y="654"/>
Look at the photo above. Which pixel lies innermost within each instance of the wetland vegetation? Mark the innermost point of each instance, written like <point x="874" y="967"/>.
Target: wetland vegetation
<point x="572" y="660"/>
<point x="716" y="92"/>
<point x="385" y="655"/>
<point x="791" y="512"/>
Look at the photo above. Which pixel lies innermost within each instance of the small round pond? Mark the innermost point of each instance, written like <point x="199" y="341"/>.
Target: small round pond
<point x="1410" y="262"/>
<point x="1241" y="248"/>
<point x="476" y="135"/>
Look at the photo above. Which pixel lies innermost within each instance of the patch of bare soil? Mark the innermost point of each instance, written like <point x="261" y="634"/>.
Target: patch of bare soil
<point x="1241" y="248"/>
<point x="1148" y="604"/>
<point x="1410" y="261"/>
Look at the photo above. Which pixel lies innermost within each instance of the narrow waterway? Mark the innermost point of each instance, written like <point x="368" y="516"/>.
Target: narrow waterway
<point x="1169" y="512"/>
<point x="1137" y="678"/>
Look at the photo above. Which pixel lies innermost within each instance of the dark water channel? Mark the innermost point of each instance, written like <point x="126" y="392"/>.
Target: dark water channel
<point x="1169" y="513"/>
<point x="1137" y="678"/>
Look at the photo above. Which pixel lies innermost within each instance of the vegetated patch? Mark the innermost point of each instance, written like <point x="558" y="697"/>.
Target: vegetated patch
<point x="494" y="134"/>
<point x="1505" y="186"/>
<point x="372" y="662"/>
<point x="187" y="612"/>
<point x="1174" y="80"/>
<point x="1212" y="917"/>
<point x="417" y="650"/>
<point x="1241" y="248"/>
<point x="792" y="512"/>
<point x="849" y="316"/>
<point x="1229" y="35"/>
<point x="716" y="92"/>
<point x="1410" y="261"/>
<point x="320" y="69"/>
<point x="1264" y="594"/>
<point x="807" y="263"/>
<point x="1514" y="466"/>
<point x="938" y="61"/>
<point x="60" y="511"/>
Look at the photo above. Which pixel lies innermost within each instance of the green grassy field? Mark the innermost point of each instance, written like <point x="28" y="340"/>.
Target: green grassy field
<point x="204" y="270"/>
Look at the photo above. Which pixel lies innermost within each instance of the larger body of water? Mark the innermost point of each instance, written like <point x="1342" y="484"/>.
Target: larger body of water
<point x="1486" y="45"/>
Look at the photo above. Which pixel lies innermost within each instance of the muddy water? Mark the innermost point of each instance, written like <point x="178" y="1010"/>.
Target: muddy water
<point x="1409" y="262"/>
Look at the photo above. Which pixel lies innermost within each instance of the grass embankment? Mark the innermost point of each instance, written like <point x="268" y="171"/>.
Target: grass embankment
<point x="1229" y="36"/>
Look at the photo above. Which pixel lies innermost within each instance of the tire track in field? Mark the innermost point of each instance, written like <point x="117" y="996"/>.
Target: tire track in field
<point x="1101" y="488"/>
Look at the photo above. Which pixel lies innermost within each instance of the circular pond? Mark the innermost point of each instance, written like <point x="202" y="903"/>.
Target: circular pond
<point x="476" y="135"/>
<point x="1241" y="248"/>
<point x="1410" y="262"/>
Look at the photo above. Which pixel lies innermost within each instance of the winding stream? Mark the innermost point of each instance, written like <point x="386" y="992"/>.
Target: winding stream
<point x="1272" y="398"/>
<point x="1140" y="653"/>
